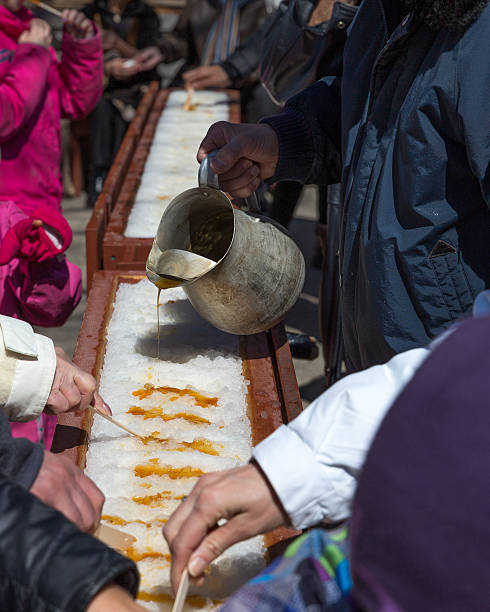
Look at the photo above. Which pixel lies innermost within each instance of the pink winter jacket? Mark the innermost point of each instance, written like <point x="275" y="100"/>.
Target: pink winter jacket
<point x="35" y="92"/>
<point x="39" y="284"/>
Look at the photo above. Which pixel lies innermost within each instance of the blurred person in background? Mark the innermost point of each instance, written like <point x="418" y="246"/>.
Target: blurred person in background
<point x="36" y="90"/>
<point x="126" y="27"/>
<point x="208" y="32"/>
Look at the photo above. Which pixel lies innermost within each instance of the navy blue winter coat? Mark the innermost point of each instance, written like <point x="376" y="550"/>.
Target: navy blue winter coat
<point x="408" y="128"/>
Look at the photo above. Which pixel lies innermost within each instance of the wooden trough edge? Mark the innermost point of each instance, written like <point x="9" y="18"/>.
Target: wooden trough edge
<point x="96" y="226"/>
<point x="119" y="251"/>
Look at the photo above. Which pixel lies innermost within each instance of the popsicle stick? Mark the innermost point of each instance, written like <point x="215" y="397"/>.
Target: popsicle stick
<point x="116" y="423"/>
<point x="46" y="7"/>
<point x="182" y="592"/>
<point x="114" y="537"/>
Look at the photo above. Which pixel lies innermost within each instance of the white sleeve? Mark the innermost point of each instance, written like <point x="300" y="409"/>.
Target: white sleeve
<point x="27" y="367"/>
<point x="313" y="463"/>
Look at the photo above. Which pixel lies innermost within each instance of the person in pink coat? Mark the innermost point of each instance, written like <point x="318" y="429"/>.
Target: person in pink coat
<point x="37" y="283"/>
<point x="36" y="91"/>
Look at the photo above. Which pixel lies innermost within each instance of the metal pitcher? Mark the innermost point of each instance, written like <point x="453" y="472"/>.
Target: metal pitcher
<point x="255" y="270"/>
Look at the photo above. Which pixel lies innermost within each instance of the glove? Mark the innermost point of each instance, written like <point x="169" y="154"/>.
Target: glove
<point x="41" y="236"/>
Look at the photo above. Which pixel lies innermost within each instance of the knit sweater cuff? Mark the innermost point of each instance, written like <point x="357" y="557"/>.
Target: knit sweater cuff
<point x="295" y="146"/>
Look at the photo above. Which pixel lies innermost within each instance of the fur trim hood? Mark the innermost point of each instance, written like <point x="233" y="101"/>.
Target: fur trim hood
<point x="452" y="15"/>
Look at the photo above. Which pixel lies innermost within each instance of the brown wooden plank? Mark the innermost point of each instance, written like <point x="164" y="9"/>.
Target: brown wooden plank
<point x="96" y="227"/>
<point x="94" y="235"/>
<point x="287" y="383"/>
<point x="264" y="405"/>
<point x="267" y="363"/>
<point x="118" y="251"/>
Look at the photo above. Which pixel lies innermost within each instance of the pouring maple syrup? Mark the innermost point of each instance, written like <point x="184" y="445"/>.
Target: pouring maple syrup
<point x="208" y="242"/>
<point x="161" y="284"/>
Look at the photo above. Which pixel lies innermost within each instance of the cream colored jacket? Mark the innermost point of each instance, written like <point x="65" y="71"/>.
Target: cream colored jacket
<point x="27" y="367"/>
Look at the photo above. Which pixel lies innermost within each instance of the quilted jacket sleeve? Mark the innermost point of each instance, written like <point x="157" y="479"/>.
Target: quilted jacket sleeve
<point x="46" y="563"/>
<point x="23" y="85"/>
<point x="81" y="74"/>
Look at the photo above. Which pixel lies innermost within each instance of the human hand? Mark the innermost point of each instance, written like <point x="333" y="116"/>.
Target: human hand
<point x="63" y="486"/>
<point x="148" y="58"/>
<point x="247" y="154"/>
<point x="72" y="388"/>
<point x="242" y="495"/>
<point x="109" y="39"/>
<point x="77" y="25"/>
<point x="121" y="68"/>
<point x="113" y="597"/>
<point x="39" y="33"/>
<point x="207" y="76"/>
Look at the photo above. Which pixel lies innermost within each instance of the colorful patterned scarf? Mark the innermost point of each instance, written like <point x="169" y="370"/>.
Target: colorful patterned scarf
<point x="312" y="575"/>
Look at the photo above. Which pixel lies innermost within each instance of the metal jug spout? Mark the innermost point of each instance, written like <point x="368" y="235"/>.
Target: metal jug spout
<point x="176" y="265"/>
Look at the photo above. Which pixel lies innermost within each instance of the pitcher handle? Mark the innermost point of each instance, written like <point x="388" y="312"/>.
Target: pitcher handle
<point x="207" y="178"/>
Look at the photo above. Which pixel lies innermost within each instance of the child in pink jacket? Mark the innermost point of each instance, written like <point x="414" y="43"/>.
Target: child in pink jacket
<point x="36" y="90"/>
<point x="37" y="283"/>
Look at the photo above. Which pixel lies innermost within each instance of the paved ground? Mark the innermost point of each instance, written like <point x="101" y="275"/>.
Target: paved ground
<point x="302" y="318"/>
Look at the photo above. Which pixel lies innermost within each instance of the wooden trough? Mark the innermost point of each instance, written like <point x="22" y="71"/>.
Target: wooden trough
<point x="96" y="227"/>
<point x="107" y="247"/>
<point x="273" y="395"/>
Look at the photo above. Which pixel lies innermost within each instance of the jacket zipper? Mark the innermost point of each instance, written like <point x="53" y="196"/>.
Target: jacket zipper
<point x="400" y="31"/>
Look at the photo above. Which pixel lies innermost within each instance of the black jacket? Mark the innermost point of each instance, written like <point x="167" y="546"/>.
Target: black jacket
<point x="46" y="563"/>
<point x="138" y="23"/>
<point x="245" y="60"/>
<point x="139" y="26"/>
<point x="20" y="459"/>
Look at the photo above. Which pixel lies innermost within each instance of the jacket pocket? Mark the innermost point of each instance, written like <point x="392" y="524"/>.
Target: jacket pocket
<point x="451" y="279"/>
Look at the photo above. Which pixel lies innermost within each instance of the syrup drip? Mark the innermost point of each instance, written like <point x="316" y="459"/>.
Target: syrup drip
<point x="200" y="400"/>
<point x="153" y="500"/>
<point x="157" y="413"/>
<point x="148" y="554"/>
<point x="163" y="283"/>
<point x="200" y="445"/>
<point x="147" y="469"/>
<point x="158" y="322"/>
<point x="118" y="520"/>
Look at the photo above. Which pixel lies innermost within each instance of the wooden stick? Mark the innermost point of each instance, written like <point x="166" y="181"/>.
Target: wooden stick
<point x="46" y="7"/>
<point x="116" y="423"/>
<point x="114" y="537"/>
<point x="188" y="101"/>
<point x="182" y="592"/>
